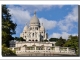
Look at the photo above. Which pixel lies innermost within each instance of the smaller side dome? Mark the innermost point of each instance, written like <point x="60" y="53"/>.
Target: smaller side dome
<point x="42" y="27"/>
<point x="25" y="28"/>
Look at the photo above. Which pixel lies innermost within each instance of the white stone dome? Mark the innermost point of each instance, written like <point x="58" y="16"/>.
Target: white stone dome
<point x="42" y="27"/>
<point x="25" y="28"/>
<point x="34" y="19"/>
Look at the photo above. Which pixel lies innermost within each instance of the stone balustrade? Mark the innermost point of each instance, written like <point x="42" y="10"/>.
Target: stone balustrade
<point x="56" y="50"/>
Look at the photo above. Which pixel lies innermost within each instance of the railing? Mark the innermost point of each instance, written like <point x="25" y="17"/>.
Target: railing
<point x="36" y="51"/>
<point x="44" y="51"/>
<point x="59" y="50"/>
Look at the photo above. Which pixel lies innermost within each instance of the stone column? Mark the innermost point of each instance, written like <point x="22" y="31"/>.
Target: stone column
<point x="57" y="49"/>
<point x="38" y="36"/>
<point x="23" y="49"/>
<point x="67" y="49"/>
<point x="31" y="35"/>
<point x="35" y="47"/>
<point x="45" y="48"/>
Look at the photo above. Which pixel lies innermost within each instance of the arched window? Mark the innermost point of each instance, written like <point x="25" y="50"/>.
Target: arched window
<point x="32" y="40"/>
<point x="52" y="44"/>
<point x="41" y="36"/>
<point x="33" y="34"/>
<point x="36" y="40"/>
<point x="29" y="40"/>
<point x="25" y="36"/>
<point x="39" y="48"/>
<point x="37" y="28"/>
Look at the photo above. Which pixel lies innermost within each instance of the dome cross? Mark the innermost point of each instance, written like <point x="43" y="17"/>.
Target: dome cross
<point x="34" y="12"/>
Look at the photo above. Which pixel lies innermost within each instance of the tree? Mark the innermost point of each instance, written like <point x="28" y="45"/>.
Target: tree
<point x="45" y="40"/>
<point x="60" y="42"/>
<point x="8" y="27"/>
<point x="53" y="39"/>
<point x="73" y="42"/>
<point x="19" y="39"/>
<point x="7" y="52"/>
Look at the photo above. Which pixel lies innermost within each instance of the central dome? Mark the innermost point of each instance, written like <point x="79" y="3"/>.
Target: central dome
<point x="34" y="19"/>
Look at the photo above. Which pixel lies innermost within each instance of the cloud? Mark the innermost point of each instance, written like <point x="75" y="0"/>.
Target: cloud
<point x="67" y="24"/>
<point x="20" y="16"/>
<point x="32" y="8"/>
<point x="73" y="16"/>
<point x="48" y="24"/>
<point x="64" y="35"/>
<point x="47" y="7"/>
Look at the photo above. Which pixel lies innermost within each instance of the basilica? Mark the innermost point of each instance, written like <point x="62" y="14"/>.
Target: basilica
<point x="34" y="44"/>
<point x="35" y="31"/>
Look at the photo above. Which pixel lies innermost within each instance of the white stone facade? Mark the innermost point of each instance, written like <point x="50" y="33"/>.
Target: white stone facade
<point x="35" y="31"/>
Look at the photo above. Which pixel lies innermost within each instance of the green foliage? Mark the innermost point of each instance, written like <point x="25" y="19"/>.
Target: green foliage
<point x="19" y="39"/>
<point x="73" y="42"/>
<point x="7" y="52"/>
<point x="45" y="40"/>
<point x="8" y="27"/>
<point x="53" y="39"/>
<point x="60" y="42"/>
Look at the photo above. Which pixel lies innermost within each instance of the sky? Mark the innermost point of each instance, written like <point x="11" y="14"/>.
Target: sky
<point x="58" y="20"/>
